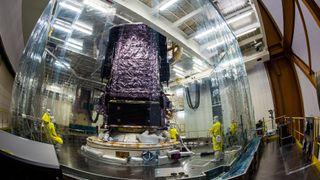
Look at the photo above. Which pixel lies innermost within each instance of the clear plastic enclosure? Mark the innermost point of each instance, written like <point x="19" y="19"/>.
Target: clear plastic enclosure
<point x="131" y="66"/>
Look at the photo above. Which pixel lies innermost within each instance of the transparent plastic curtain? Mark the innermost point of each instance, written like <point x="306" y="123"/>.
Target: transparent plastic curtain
<point x="48" y="77"/>
<point x="229" y="74"/>
<point x="27" y="85"/>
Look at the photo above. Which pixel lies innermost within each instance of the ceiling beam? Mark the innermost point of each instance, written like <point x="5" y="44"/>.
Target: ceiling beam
<point x="247" y="8"/>
<point x="250" y="39"/>
<point x="187" y="17"/>
<point x="157" y="6"/>
<point x="288" y="23"/>
<point x="236" y="13"/>
<point x="144" y="14"/>
<point x="121" y="17"/>
<point x="247" y="28"/>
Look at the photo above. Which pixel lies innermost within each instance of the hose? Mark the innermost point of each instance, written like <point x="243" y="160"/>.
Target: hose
<point x="197" y="98"/>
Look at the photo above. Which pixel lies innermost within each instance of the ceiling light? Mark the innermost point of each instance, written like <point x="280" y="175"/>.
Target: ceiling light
<point x="62" y="23"/>
<point x="71" y="7"/>
<point x="178" y="71"/>
<point x="73" y="46"/>
<point x="238" y="17"/>
<point x="62" y="28"/>
<point x="83" y="30"/>
<point x="168" y="4"/>
<point x="216" y="44"/>
<point x="179" y="75"/>
<point x="178" y="67"/>
<point x="83" y="25"/>
<point x="186" y="54"/>
<point x="67" y="27"/>
<point x="246" y="32"/>
<point x="100" y="6"/>
<point x="179" y="92"/>
<point x="180" y="114"/>
<point x="197" y="68"/>
<point x="197" y="61"/>
<point x="61" y="64"/>
<point x="80" y="26"/>
<point x="230" y="62"/>
<point x="205" y="33"/>
<point x="75" y="42"/>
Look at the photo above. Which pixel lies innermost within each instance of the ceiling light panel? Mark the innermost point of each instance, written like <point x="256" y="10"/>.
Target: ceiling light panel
<point x="178" y="71"/>
<point x="167" y="4"/>
<point x="179" y="75"/>
<point x="100" y="6"/>
<point x="177" y="67"/>
<point x="62" y="28"/>
<point x="82" y="27"/>
<point x="197" y="69"/>
<point x="239" y="17"/>
<point x="71" y="6"/>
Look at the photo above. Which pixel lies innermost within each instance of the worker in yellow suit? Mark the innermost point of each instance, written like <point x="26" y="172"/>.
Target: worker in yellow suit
<point x="217" y="142"/>
<point x="50" y="128"/>
<point x="173" y="134"/>
<point x="233" y="131"/>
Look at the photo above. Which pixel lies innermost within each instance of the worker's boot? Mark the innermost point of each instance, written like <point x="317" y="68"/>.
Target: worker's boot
<point x="217" y="156"/>
<point x="57" y="147"/>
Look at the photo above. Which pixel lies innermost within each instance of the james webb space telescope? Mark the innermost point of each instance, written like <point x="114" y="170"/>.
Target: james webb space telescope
<point x="135" y="64"/>
<point x="133" y="103"/>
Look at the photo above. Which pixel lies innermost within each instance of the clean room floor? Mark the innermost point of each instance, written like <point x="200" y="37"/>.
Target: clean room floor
<point x="277" y="162"/>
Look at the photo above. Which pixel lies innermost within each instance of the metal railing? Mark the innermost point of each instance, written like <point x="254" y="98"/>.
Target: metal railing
<point x="296" y="129"/>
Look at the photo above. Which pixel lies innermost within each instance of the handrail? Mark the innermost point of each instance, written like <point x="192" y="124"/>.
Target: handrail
<point x="280" y="117"/>
<point x="296" y="129"/>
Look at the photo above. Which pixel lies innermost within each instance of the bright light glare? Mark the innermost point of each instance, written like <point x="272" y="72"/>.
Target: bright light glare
<point x="180" y="114"/>
<point x="205" y="33"/>
<point x="70" y="7"/>
<point x="178" y="71"/>
<point x="73" y="45"/>
<point x="179" y="75"/>
<point x="179" y="92"/>
<point x="197" y="61"/>
<point x="76" y="42"/>
<point x="62" y="28"/>
<point x="83" y="25"/>
<point x="216" y="45"/>
<point x="168" y="4"/>
<point x="236" y="18"/>
<point x="98" y="5"/>
<point x="230" y="62"/>
<point x="178" y="67"/>
<point x="197" y="69"/>
<point x="83" y="30"/>
<point x="63" y="65"/>
<point x="80" y="26"/>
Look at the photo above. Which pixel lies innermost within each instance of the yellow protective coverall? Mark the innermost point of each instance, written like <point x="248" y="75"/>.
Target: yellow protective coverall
<point x="51" y="129"/>
<point x="173" y="134"/>
<point x="233" y="128"/>
<point x="215" y="130"/>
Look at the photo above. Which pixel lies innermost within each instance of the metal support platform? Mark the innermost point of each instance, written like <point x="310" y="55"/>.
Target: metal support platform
<point x="73" y="163"/>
